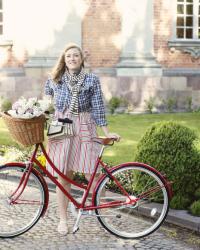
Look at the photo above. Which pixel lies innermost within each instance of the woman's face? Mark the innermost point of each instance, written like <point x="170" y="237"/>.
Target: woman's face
<point x="73" y="60"/>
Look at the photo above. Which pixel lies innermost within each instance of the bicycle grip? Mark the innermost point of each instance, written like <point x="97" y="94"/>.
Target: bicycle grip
<point x="65" y="120"/>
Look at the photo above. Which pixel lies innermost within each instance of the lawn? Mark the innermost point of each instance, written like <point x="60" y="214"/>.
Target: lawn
<point x="131" y="128"/>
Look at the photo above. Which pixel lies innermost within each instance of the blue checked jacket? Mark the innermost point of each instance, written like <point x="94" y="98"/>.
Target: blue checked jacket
<point x="90" y="97"/>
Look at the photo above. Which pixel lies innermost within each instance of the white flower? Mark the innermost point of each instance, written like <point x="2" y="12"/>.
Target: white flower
<point x="44" y="104"/>
<point x="16" y="105"/>
<point x="13" y="113"/>
<point x="22" y="101"/>
<point x="30" y="108"/>
<point x="26" y="116"/>
<point x="37" y="113"/>
<point x="21" y="110"/>
<point x="31" y="102"/>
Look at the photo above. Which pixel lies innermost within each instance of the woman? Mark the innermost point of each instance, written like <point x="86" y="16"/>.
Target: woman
<point x="77" y="95"/>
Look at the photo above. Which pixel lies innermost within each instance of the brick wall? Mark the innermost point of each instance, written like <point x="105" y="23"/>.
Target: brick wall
<point x="9" y="59"/>
<point x="100" y="29"/>
<point x="163" y="33"/>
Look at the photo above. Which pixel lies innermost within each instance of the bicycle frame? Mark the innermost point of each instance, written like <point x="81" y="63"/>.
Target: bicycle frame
<point x="85" y="188"/>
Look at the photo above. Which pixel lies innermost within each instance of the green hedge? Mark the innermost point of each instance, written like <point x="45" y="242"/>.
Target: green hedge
<point x="170" y="148"/>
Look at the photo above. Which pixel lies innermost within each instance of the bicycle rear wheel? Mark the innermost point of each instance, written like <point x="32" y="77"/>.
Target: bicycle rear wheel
<point x="19" y="217"/>
<point x="148" y="209"/>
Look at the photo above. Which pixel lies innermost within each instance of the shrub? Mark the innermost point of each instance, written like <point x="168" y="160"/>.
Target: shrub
<point x="189" y="103"/>
<point x="150" y="104"/>
<point x="197" y="193"/>
<point x="130" y="107"/>
<point x="6" y="105"/>
<point x="79" y="177"/>
<point x="170" y="104"/>
<point x="114" y="103"/>
<point x="197" y="110"/>
<point x="170" y="147"/>
<point x="195" y="208"/>
<point x="180" y="202"/>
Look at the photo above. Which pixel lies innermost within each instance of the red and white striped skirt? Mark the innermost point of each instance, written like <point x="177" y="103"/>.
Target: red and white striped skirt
<point x="78" y="153"/>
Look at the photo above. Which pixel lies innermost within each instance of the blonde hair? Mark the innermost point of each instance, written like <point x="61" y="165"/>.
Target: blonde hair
<point x="60" y="66"/>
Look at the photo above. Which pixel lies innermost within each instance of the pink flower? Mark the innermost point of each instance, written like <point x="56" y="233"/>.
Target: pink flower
<point x="16" y="105"/>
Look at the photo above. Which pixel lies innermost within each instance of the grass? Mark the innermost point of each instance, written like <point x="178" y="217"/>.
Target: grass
<point x="5" y="138"/>
<point x="131" y="128"/>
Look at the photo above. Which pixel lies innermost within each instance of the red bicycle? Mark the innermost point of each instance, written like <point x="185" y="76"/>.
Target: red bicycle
<point x="130" y="200"/>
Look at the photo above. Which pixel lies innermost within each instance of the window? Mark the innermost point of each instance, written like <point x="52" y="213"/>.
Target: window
<point x="186" y="27"/>
<point x="1" y="17"/>
<point x="188" y="19"/>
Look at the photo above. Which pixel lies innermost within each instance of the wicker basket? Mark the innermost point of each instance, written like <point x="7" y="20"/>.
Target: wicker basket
<point x="25" y="131"/>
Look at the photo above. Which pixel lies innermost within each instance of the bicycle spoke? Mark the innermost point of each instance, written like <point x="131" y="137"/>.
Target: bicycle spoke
<point x="142" y="210"/>
<point x="18" y="216"/>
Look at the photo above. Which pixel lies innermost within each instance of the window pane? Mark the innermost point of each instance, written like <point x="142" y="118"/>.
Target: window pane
<point x="189" y="9"/>
<point x="180" y="21"/>
<point x="180" y="9"/>
<point x="189" y="33"/>
<point x="0" y="4"/>
<point x="189" y="1"/>
<point x="1" y="17"/>
<point x="1" y="29"/>
<point x="182" y="0"/>
<point x="199" y="21"/>
<point x="189" y="21"/>
<point x="199" y="34"/>
<point x="180" y="33"/>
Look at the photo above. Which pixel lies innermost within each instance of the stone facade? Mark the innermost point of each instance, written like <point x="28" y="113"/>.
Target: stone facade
<point x="138" y="90"/>
<point x="135" y="90"/>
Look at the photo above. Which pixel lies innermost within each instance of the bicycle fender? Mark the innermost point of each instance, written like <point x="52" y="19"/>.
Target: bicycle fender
<point x="38" y="174"/>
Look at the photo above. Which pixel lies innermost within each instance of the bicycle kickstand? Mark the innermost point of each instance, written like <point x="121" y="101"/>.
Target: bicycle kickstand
<point x="76" y="225"/>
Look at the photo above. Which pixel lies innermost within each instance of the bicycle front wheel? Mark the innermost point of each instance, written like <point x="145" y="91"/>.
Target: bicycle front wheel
<point x="146" y="212"/>
<point x="18" y="217"/>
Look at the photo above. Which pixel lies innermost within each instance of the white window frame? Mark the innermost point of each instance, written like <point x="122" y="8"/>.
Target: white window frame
<point x="195" y="15"/>
<point x="188" y="45"/>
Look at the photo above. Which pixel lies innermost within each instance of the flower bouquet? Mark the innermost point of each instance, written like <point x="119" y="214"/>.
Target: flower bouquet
<point x="29" y="108"/>
<point x="25" y="121"/>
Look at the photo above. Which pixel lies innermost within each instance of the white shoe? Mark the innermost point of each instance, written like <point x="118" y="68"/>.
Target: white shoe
<point x="62" y="227"/>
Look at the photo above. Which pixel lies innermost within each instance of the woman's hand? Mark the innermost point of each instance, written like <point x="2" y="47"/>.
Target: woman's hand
<point x="110" y="135"/>
<point x="113" y="135"/>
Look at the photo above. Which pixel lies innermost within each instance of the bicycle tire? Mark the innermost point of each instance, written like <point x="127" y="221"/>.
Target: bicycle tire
<point x="141" y="218"/>
<point x="16" y="219"/>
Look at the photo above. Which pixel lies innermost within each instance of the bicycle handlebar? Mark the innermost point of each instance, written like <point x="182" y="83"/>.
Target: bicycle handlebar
<point x="64" y="120"/>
